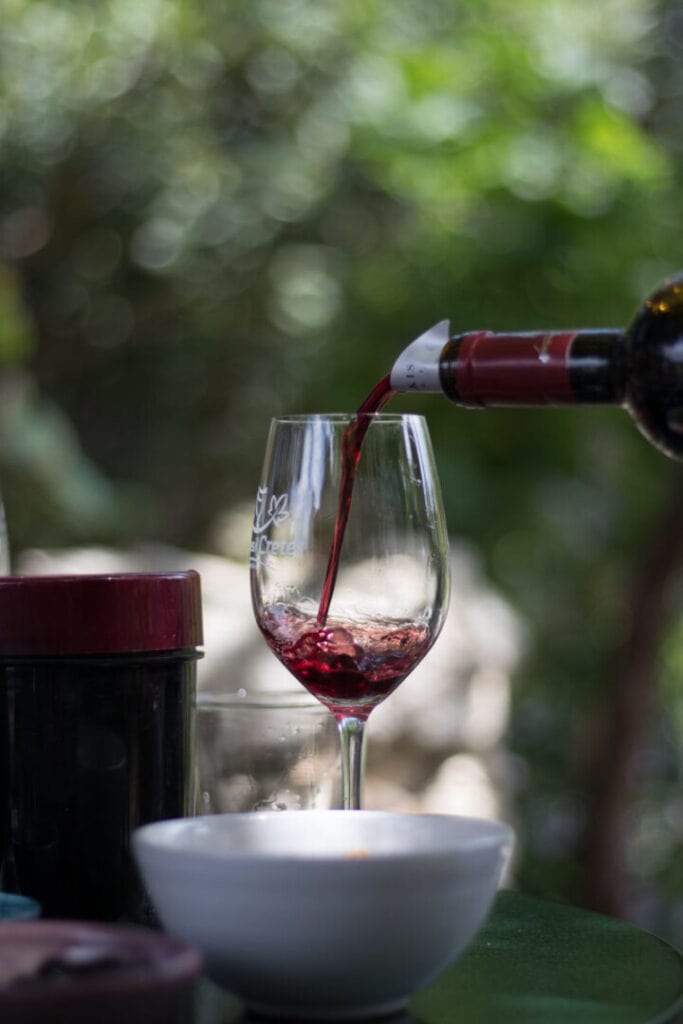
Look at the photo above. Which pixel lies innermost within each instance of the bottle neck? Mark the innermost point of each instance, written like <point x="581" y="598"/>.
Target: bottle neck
<point x="483" y="368"/>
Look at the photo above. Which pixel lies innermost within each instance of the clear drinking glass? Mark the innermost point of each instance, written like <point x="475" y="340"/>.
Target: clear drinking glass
<point x="390" y="592"/>
<point x="265" y="751"/>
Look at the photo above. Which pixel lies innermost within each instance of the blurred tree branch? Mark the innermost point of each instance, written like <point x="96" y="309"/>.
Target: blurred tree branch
<point x="624" y="722"/>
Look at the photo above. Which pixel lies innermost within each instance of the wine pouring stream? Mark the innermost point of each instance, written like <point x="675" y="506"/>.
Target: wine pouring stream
<point x="351" y="652"/>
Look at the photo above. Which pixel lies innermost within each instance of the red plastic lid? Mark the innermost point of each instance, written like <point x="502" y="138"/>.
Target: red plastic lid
<point x="104" y="614"/>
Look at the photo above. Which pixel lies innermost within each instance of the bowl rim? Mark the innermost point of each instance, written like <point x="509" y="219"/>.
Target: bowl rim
<point x="166" y="837"/>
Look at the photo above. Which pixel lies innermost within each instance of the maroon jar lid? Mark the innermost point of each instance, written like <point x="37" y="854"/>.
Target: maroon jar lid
<point x="99" y="614"/>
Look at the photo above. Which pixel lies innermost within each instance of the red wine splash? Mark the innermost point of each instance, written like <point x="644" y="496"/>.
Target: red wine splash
<point x="352" y="443"/>
<point x="350" y="669"/>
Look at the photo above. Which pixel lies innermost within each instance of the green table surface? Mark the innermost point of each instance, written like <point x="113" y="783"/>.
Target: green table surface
<point x="534" y="962"/>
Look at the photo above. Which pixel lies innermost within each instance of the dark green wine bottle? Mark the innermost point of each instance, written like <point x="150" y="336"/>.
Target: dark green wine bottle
<point x="640" y="368"/>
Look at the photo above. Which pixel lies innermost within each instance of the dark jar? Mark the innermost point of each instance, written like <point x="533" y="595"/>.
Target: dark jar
<point x="97" y="684"/>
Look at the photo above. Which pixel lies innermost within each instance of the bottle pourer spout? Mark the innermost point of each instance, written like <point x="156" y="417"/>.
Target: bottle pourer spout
<point x="417" y="368"/>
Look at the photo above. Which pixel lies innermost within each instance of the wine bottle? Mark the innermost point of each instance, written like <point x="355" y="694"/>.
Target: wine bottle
<point x="640" y="368"/>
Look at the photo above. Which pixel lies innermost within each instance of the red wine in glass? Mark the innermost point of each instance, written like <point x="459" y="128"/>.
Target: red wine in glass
<point x="350" y="671"/>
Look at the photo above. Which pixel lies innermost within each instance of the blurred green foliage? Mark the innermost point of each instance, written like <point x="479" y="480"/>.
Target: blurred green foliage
<point x="212" y="212"/>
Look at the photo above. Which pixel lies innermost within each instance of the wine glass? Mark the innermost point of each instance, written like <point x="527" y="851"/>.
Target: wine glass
<point x="349" y="561"/>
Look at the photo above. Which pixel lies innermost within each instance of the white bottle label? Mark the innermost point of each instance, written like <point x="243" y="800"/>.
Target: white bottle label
<point x="417" y="368"/>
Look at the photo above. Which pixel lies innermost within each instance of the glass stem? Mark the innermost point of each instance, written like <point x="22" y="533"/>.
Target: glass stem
<point x="351" y="734"/>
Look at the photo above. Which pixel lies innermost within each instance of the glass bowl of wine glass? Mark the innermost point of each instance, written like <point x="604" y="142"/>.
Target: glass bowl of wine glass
<point x="323" y="914"/>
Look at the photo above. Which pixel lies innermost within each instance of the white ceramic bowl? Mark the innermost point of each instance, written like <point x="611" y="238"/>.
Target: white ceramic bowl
<point x="323" y="913"/>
